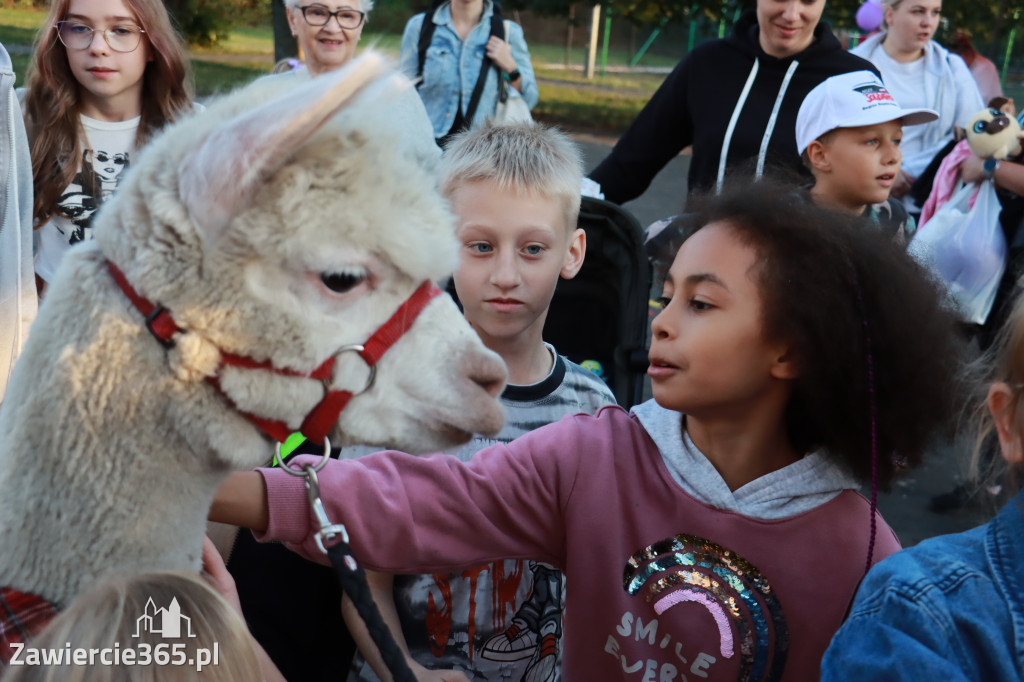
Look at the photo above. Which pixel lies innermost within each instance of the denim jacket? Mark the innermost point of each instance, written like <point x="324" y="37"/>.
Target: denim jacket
<point x="951" y="608"/>
<point x="453" y="66"/>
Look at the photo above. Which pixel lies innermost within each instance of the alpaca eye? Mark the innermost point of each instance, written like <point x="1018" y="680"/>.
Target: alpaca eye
<point x="342" y="282"/>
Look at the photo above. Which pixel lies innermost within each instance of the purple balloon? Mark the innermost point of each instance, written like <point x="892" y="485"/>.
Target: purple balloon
<point x="869" y="16"/>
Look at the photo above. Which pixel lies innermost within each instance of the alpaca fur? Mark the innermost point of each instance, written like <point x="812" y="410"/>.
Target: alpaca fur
<point x="111" y="447"/>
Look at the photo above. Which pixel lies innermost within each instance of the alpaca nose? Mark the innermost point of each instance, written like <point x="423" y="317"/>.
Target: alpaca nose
<point x="485" y="369"/>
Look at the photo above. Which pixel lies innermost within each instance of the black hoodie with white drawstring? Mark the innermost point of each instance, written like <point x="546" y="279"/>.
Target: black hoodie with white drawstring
<point x="733" y="102"/>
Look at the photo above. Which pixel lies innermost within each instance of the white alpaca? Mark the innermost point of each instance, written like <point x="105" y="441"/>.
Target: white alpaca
<point x="281" y="226"/>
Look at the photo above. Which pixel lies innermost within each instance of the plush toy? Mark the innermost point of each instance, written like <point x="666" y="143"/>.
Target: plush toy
<point x="992" y="134"/>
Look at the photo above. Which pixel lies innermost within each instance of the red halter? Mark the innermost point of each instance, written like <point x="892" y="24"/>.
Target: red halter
<point x="319" y="421"/>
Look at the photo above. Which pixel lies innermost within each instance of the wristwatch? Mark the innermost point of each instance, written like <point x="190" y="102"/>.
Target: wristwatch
<point x="990" y="167"/>
<point x="513" y="75"/>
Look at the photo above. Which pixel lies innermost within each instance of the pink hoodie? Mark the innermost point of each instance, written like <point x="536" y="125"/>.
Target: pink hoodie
<point x="660" y="585"/>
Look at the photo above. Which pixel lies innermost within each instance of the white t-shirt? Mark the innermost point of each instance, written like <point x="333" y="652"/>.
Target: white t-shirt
<point x="107" y="155"/>
<point x="906" y="82"/>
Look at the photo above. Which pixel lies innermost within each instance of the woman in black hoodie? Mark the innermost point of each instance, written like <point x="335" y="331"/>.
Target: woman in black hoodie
<point x="733" y="99"/>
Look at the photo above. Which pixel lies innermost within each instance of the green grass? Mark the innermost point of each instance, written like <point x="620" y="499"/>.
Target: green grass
<point x="212" y="78"/>
<point x="587" y="109"/>
<point x="243" y="40"/>
<point x="17" y="35"/>
<point x="640" y="84"/>
<point x="555" y="54"/>
<point x="23" y="18"/>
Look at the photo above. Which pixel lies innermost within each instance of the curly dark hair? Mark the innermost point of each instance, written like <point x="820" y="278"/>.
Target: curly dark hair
<point x="853" y="305"/>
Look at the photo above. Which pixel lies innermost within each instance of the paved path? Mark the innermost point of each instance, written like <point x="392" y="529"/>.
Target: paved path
<point x="905" y="506"/>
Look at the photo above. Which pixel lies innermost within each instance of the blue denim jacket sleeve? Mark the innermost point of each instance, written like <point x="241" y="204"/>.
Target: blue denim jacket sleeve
<point x="931" y="613"/>
<point x="452" y="66"/>
<point x="521" y="53"/>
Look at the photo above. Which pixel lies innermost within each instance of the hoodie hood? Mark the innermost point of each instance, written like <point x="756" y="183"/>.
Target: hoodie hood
<point x="745" y="37"/>
<point x="794" y="489"/>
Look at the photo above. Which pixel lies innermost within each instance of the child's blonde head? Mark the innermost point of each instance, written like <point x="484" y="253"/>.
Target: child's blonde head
<point x="1004" y="376"/>
<point x="525" y="159"/>
<point x="107" y="617"/>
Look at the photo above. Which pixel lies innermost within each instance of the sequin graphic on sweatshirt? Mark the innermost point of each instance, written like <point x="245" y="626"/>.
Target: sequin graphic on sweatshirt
<point x="743" y="605"/>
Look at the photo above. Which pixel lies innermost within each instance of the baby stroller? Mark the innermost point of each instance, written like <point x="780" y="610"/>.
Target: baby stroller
<point x="602" y="314"/>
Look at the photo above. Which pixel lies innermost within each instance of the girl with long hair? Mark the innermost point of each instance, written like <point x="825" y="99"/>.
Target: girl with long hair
<point x="106" y="76"/>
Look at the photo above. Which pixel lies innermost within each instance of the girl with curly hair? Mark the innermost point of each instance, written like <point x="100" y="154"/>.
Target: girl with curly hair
<point x="105" y="77"/>
<point x="952" y="608"/>
<point x="715" y="531"/>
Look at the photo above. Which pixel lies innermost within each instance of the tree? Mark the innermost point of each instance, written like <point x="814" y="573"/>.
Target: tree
<point x="204" y="22"/>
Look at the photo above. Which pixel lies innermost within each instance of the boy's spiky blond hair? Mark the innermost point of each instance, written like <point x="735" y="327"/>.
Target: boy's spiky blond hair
<point x="527" y="159"/>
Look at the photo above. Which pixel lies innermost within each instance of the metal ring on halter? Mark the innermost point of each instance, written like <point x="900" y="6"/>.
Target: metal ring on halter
<point x="358" y="348"/>
<point x="296" y="472"/>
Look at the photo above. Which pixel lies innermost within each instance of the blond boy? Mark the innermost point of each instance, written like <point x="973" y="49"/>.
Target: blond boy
<point x="515" y="193"/>
<point x="848" y="131"/>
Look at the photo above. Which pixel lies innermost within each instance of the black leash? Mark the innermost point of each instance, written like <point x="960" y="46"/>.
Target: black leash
<point x="332" y="539"/>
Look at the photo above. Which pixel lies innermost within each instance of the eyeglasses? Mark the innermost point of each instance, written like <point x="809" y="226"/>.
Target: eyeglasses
<point x="319" y="15"/>
<point x="120" y="38"/>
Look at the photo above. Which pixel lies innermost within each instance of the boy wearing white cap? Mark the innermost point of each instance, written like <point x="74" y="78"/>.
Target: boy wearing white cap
<point x="848" y="132"/>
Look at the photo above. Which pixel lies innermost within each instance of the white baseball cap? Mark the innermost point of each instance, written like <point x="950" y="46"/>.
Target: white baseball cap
<point x="851" y="100"/>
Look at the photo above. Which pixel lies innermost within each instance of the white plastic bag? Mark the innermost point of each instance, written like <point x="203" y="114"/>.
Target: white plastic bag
<point x="966" y="249"/>
<point x="511" y="108"/>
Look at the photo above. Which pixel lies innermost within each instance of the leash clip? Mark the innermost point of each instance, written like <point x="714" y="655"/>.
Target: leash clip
<point x="328" y="531"/>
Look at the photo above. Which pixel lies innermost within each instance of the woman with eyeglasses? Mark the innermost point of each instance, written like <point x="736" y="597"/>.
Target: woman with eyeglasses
<point x="328" y="31"/>
<point x="106" y="75"/>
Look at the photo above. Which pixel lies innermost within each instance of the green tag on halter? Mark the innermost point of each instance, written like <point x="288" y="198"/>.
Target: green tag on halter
<point x="290" y="444"/>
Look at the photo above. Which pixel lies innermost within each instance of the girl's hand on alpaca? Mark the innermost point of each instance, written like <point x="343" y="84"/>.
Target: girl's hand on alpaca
<point x="215" y="572"/>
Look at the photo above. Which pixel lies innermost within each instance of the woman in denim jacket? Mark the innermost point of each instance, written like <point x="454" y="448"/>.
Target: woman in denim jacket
<point x="951" y="608"/>
<point x="461" y="38"/>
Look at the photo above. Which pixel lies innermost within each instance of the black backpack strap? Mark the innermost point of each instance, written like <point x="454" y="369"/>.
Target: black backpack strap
<point x="426" y="35"/>
<point x="497" y="29"/>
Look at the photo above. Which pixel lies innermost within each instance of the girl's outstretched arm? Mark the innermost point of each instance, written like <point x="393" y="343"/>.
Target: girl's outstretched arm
<point x="242" y="501"/>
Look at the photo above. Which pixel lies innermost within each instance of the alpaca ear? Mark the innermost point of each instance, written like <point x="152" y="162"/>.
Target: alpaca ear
<point x="223" y="175"/>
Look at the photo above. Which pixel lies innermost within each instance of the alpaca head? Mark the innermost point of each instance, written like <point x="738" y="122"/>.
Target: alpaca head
<point x="289" y="221"/>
